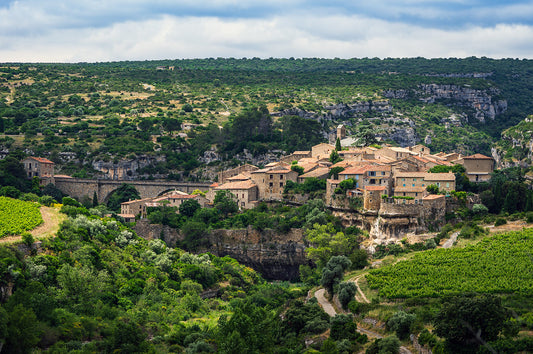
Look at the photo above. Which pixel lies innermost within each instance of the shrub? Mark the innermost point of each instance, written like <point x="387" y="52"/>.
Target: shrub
<point x="347" y="291"/>
<point x="401" y="323"/>
<point x="500" y="221"/>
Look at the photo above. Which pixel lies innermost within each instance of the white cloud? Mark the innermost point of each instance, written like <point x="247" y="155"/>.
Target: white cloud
<point x="298" y="34"/>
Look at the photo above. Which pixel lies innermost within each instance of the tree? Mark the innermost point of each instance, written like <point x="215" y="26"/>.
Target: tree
<point x="333" y="272"/>
<point x="468" y="321"/>
<point x="338" y="146"/>
<point x="343" y="327"/>
<point x="347" y="291"/>
<point x="23" y="330"/>
<point x="225" y="201"/>
<point x="335" y="172"/>
<point x="387" y="345"/>
<point x="401" y="323"/>
<point x="298" y="169"/>
<point x="189" y="207"/>
<point x="432" y="189"/>
<point x="334" y="157"/>
<point x="124" y="193"/>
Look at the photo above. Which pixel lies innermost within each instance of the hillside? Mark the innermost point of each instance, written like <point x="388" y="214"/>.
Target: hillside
<point x="163" y="118"/>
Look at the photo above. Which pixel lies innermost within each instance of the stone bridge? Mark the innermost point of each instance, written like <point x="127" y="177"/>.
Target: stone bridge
<point x="79" y="188"/>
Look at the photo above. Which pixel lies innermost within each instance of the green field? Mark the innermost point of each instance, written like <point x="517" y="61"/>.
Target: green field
<point x="17" y="216"/>
<point x="498" y="264"/>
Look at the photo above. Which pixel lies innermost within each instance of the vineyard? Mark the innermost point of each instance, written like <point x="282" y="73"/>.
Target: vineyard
<point x="17" y="216"/>
<point x="498" y="264"/>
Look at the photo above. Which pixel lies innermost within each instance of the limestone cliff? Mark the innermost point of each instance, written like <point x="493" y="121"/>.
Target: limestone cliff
<point x="481" y="101"/>
<point x="516" y="146"/>
<point x="276" y="256"/>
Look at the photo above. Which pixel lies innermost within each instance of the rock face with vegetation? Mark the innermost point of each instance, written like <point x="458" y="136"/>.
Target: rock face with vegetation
<point x="275" y="256"/>
<point x="516" y="145"/>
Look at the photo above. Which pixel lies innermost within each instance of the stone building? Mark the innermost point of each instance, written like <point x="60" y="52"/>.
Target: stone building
<point x="39" y="167"/>
<point x="478" y="167"/>
<point x="372" y="197"/>
<point x="271" y="181"/>
<point x="245" y="191"/>
<point x="414" y="184"/>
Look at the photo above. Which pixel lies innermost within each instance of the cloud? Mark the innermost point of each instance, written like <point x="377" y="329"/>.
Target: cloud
<point x="32" y="30"/>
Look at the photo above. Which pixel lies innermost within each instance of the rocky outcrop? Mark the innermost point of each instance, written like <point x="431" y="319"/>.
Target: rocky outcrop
<point x="126" y="169"/>
<point x="479" y="100"/>
<point x="276" y="256"/>
<point x="516" y="146"/>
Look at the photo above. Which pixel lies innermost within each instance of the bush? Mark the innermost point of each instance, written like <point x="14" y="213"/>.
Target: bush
<point x="401" y="323"/>
<point x="500" y="221"/>
<point x="347" y="291"/>
<point x="480" y="209"/>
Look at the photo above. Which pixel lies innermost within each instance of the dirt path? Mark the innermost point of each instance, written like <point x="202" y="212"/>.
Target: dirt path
<point x="324" y="303"/>
<point x="330" y="310"/>
<point x="52" y="218"/>
<point x="360" y="296"/>
<point x="449" y="243"/>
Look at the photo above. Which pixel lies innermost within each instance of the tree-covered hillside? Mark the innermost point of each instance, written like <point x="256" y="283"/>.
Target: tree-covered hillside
<point x="174" y="111"/>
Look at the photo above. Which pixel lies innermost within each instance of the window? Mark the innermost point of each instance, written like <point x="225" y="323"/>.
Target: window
<point x="414" y="179"/>
<point x="271" y="176"/>
<point x="372" y="173"/>
<point x="280" y="176"/>
<point x="383" y="173"/>
<point x="403" y="179"/>
<point x="447" y="184"/>
<point x="413" y="184"/>
<point x="271" y="184"/>
<point x="372" y="181"/>
<point x="281" y="184"/>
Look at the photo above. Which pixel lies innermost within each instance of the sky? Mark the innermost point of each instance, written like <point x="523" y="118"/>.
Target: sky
<point x="117" y="30"/>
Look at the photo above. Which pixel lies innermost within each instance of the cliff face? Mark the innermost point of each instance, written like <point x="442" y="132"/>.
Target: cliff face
<point x="275" y="256"/>
<point x="516" y="146"/>
<point x="479" y="100"/>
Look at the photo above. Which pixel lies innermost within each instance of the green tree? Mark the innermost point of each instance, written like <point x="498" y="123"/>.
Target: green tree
<point x="338" y="146"/>
<point x="334" y="157"/>
<point x="347" y="291"/>
<point x="226" y="202"/>
<point x="468" y="321"/>
<point x="335" y="172"/>
<point x="189" y="207"/>
<point x="23" y="330"/>
<point x="124" y="193"/>
<point x="333" y="272"/>
<point x="401" y="323"/>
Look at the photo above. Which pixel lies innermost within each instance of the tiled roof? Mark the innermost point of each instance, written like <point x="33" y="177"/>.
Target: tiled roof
<point x="319" y="172"/>
<point x="477" y="157"/>
<point x="375" y="188"/>
<point x="40" y="159"/>
<point x="440" y="177"/>
<point x="237" y="185"/>
<point x="239" y="177"/>
<point x="409" y="189"/>
<point x="137" y="201"/>
<point x="434" y="196"/>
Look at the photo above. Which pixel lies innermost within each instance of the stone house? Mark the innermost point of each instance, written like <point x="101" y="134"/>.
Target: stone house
<point x="322" y="150"/>
<point x="246" y="192"/>
<point x="271" y="181"/>
<point x="420" y="149"/>
<point x="129" y="210"/>
<point x="392" y="153"/>
<point x="320" y="173"/>
<point x="38" y="167"/>
<point x="224" y="175"/>
<point x="478" y="167"/>
<point x="369" y="175"/>
<point x="414" y="184"/>
<point x="372" y="197"/>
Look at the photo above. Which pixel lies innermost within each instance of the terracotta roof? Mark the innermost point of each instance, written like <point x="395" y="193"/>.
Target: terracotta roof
<point x="409" y="189"/>
<point x="301" y="152"/>
<point x="439" y="177"/>
<point x="127" y="216"/>
<point x="137" y="201"/>
<point x="477" y="157"/>
<point x="434" y="196"/>
<point x="319" y="172"/>
<point x="214" y="185"/>
<point x="63" y="176"/>
<point x="357" y="170"/>
<point x="237" y="185"/>
<point x="375" y="188"/>
<point x="239" y="177"/>
<point x="40" y="159"/>
<point x="410" y="174"/>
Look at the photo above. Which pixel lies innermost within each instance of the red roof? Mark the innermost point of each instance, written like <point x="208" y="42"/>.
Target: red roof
<point x="41" y="159"/>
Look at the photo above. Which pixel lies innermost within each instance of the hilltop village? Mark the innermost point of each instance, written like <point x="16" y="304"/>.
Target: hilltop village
<point x="387" y="190"/>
